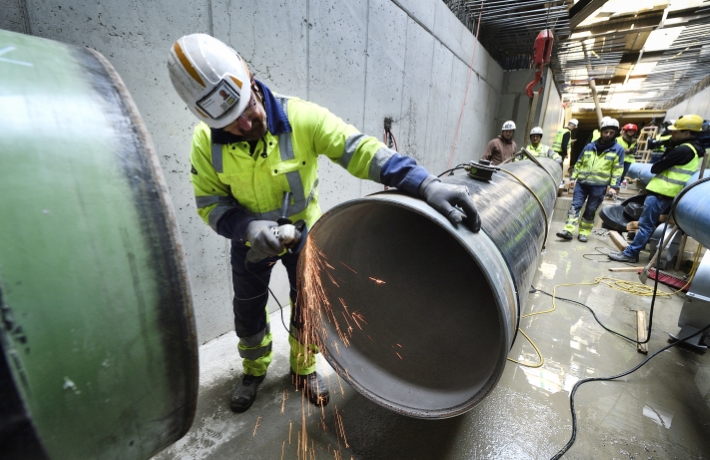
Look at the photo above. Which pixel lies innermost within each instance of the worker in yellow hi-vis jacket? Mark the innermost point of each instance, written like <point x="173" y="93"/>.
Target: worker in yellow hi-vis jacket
<point x="254" y="154"/>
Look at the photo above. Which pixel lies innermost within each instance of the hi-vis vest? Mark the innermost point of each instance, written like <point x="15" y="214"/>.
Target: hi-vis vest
<point x="671" y="181"/>
<point x="541" y="151"/>
<point x="228" y="176"/>
<point x="557" y="142"/>
<point x="628" y="157"/>
<point x="602" y="169"/>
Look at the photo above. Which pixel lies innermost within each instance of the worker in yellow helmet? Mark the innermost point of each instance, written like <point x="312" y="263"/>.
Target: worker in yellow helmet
<point x="672" y="171"/>
<point x="255" y="154"/>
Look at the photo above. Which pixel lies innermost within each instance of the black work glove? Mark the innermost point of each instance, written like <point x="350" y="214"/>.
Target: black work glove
<point x="261" y="234"/>
<point x="443" y="198"/>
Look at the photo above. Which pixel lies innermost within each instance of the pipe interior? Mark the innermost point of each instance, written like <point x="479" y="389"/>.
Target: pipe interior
<point x="431" y="335"/>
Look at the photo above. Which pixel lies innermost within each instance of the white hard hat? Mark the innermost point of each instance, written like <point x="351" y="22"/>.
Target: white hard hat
<point x="536" y="130"/>
<point x="608" y="122"/>
<point x="574" y="122"/>
<point x="508" y="126"/>
<point x="211" y="78"/>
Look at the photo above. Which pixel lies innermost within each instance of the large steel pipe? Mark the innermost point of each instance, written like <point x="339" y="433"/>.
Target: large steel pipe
<point x="99" y="354"/>
<point x="416" y="314"/>
<point x="642" y="172"/>
<point x="692" y="211"/>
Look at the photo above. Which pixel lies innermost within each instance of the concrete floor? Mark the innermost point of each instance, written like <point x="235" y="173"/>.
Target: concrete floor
<point x="662" y="411"/>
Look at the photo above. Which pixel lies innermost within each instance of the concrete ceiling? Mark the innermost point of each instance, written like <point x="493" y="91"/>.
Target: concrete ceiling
<point x="642" y="54"/>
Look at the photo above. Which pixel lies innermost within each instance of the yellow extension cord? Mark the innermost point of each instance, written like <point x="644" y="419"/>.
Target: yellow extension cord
<point x="630" y="287"/>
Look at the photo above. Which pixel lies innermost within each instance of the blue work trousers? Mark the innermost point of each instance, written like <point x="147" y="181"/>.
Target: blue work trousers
<point x="250" y="292"/>
<point x="653" y="207"/>
<point x="593" y="195"/>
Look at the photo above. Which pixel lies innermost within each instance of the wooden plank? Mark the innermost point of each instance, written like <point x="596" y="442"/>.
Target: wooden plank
<point x="618" y="240"/>
<point x="641" y="331"/>
<point x="625" y="269"/>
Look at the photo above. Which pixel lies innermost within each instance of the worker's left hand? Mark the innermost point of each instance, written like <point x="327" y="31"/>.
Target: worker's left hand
<point x="444" y="198"/>
<point x="612" y="192"/>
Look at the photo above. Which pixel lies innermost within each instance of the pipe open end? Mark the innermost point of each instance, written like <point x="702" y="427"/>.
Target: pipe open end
<point x="410" y="318"/>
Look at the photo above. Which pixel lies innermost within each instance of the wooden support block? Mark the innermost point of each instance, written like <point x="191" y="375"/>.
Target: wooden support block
<point x="625" y="269"/>
<point x="618" y="240"/>
<point x="641" y="331"/>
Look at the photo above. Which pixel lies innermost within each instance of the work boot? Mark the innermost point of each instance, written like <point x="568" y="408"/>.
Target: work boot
<point x="621" y="257"/>
<point x="564" y="234"/>
<point x="314" y="386"/>
<point x="245" y="392"/>
<point x="582" y="238"/>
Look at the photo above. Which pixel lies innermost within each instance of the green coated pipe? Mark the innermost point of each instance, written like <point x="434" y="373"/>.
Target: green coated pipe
<point x="99" y="351"/>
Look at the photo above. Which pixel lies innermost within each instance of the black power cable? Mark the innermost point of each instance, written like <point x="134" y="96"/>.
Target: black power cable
<point x="591" y="311"/>
<point x="592" y="379"/>
<point x="648" y="334"/>
<point x="450" y="172"/>
<point x="281" y="309"/>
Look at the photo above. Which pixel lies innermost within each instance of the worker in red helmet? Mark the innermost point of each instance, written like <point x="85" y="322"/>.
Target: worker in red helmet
<point x="628" y="141"/>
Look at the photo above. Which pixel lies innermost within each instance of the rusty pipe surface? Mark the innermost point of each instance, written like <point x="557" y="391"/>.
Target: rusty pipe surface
<point x="419" y="315"/>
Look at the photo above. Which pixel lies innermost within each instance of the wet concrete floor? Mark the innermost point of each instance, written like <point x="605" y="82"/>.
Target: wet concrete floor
<point x="662" y="411"/>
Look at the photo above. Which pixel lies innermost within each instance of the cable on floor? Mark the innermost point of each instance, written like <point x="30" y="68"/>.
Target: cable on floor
<point x="661" y="245"/>
<point x="540" y="362"/>
<point x="593" y="379"/>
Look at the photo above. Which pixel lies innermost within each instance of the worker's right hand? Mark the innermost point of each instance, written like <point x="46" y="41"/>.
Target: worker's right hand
<point x="260" y="234"/>
<point x="443" y="198"/>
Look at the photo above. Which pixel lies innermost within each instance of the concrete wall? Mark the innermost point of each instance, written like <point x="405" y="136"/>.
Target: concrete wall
<point x="364" y="60"/>
<point x="698" y="104"/>
<point x="515" y="105"/>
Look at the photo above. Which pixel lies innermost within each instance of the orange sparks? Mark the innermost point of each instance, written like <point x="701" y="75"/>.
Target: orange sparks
<point x="359" y="316"/>
<point x="400" y="356"/>
<point x="258" y="420"/>
<point x="332" y="280"/>
<point x="283" y="401"/>
<point x="340" y="383"/>
<point x="347" y="266"/>
<point x="356" y="322"/>
<point x="283" y="449"/>
<point x="290" y="428"/>
<point x="376" y="280"/>
<point x="339" y="419"/>
<point x="400" y="346"/>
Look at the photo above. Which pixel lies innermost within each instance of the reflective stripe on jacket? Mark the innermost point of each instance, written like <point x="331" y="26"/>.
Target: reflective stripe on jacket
<point x="628" y="157"/>
<point x="671" y="181"/>
<point x="604" y="168"/>
<point x="541" y="151"/>
<point x="557" y="141"/>
<point x="229" y="176"/>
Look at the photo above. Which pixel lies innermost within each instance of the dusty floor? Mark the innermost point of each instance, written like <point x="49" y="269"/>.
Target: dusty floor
<point x="661" y="411"/>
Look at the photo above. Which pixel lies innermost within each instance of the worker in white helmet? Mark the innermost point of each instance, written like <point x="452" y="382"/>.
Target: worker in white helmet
<point x="255" y="150"/>
<point x="502" y="147"/>
<point x="597" y="171"/>
<point x="537" y="149"/>
<point x="563" y="139"/>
